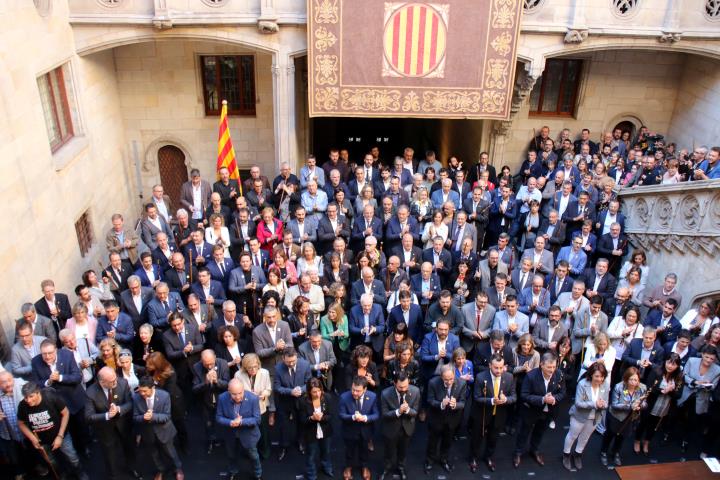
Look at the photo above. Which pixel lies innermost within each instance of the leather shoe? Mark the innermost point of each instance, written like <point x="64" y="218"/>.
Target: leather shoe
<point x="281" y="455"/>
<point x="403" y="473"/>
<point x="473" y="466"/>
<point x="427" y="467"/>
<point x="516" y="460"/>
<point x="447" y="466"/>
<point x="539" y="459"/>
<point x="366" y="473"/>
<point x="490" y="464"/>
<point x="179" y="475"/>
<point x="347" y="473"/>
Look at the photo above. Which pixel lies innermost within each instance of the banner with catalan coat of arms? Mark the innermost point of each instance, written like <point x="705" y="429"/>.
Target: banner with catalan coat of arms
<point x="437" y="59"/>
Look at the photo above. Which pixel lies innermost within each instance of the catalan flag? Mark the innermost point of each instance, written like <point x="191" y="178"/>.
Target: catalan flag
<point x="226" y="152"/>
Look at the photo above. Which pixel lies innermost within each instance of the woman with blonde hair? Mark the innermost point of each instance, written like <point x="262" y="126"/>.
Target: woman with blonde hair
<point x="217" y="233"/>
<point x="257" y="380"/>
<point x="309" y="260"/>
<point x="109" y="354"/>
<point x="81" y="324"/>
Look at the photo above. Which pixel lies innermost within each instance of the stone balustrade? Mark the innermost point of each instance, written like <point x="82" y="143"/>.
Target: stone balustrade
<point x="679" y="226"/>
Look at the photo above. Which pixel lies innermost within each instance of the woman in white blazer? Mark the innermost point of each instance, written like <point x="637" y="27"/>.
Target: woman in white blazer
<point x="621" y="332"/>
<point x="591" y="400"/>
<point x="257" y="380"/>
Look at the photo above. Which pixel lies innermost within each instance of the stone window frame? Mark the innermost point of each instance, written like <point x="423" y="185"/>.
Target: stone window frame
<point x="84" y="232"/>
<point x="249" y="110"/>
<point x="59" y="104"/>
<point x="583" y="67"/>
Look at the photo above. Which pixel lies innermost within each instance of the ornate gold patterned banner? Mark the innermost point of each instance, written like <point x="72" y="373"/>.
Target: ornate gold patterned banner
<point x="438" y="58"/>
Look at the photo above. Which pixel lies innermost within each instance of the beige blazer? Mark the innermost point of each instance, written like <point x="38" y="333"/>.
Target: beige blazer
<point x="263" y="386"/>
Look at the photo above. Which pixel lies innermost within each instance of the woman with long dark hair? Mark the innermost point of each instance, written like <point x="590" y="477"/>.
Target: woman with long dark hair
<point x="315" y="418"/>
<point x="164" y="376"/>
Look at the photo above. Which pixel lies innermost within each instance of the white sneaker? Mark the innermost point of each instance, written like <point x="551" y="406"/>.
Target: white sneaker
<point x="552" y="424"/>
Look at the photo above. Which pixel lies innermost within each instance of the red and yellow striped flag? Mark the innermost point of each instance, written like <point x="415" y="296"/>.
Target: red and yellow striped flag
<point x="226" y="152"/>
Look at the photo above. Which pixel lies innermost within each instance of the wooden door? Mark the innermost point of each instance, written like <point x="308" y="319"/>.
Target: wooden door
<point x="173" y="172"/>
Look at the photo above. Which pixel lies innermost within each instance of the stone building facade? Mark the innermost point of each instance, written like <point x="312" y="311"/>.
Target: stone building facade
<point x="133" y="83"/>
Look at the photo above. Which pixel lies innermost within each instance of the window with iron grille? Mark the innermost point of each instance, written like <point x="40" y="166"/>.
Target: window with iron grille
<point x="231" y="78"/>
<point x="556" y="93"/>
<point x="53" y="87"/>
<point x="83" y="229"/>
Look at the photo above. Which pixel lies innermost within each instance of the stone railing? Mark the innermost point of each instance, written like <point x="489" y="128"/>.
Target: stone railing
<point x="668" y="20"/>
<point x="679" y="228"/>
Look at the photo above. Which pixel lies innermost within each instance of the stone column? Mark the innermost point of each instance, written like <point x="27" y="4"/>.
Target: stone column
<point x="283" y="72"/>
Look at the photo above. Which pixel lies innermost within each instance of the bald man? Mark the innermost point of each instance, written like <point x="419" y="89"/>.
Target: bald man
<point x="238" y="413"/>
<point x="210" y="379"/>
<point x="108" y="408"/>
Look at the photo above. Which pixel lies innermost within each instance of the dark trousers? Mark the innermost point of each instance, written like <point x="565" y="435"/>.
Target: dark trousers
<point x="615" y="433"/>
<point x="532" y="426"/>
<point x="647" y="427"/>
<point x="119" y="452"/>
<point x="490" y="434"/>
<point x="439" y="438"/>
<point x="264" y="443"/>
<point x="233" y="448"/>
<point x="319" y="448"/>
<point x="14" y="457"/>
<point x="159" y="449"/>
<point x="208" y="416"/>
<point x="357" y="453"/>
<point x="285" y="411"/>
<point x="396" y="450"/>
<point x="79" y="431"/>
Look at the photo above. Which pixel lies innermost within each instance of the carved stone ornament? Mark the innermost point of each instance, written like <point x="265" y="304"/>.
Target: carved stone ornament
<point x="689" y="213"/>
<point x="714" y="212"/>
<point x="683" y="244"/>
<point x="523" y="87"/>
<point x="664" y="213"/>
<point x="642" y="212"/>
<point x="43" y="7"/>
<point x="162" y="23"/>
<point x="267" y="27"/>
<point x="670" y="37"/>
<point x="576" y="36"/>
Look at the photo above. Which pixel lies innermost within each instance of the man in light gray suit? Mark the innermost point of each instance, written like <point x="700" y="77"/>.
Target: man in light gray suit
<point x="462" y="230"/>
<point x="25" y="349"/>
<point x="41" y="326"/>
<point x="572" y="303"/>
<point x="488" y="268"/>
<point x="195" y="196"/>
<point x="270" y="339"/>
<point x="152" y="224"/>
<point x="589" y="320"/>
<point x="542" y="260"/>
<point x="549" y="330"/>
<point x="303" y="227"/>
<point x="479" y="316"/>
<point x="319" y="353"/>
<point x="238" y="283"/>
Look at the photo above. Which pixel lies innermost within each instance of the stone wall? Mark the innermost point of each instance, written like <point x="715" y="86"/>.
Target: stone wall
<point x="696" y="119"/>
<point x="161" y="96"/>
<point x="616" y="85"/>
<point x="44" y="193"/>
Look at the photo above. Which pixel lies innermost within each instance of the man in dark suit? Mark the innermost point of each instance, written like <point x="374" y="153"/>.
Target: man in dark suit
<point x="303" y="227"/>
<point x="246" y="282"/>
<point x="541" y="393"/>
<point x="494" y="396"/>
<point x="482" y="165"/>
<point x="440" y="259"/>
<point x="613" y="246"/>
<point x="437" y="348"/>
<point x="408" y="313"/>
<point x="478" y="210"/>
<point x="162" y="254"/>
<point x="148" y="273"/>
<point x="115" y="324"/>
<point x="228" y="188"/>
<point x="289" y="384"/>
<point x="559" y="281"/>
<point x="682" y="347"/>
<point x="210" y="379"/>
<point x="502" y="214"/>
<point x="576" y="213"/>
<point x="400" y="404"/>
<point x="446" y="398"/>
<point x="292" y="251"/>
<point x="220" y="266"/>
<point x="57" y="369"/>
<point x="117" y="274"/>
<point x="365" y="226"/>
<point x="498" y="293"/>
<point x="392" y="276"/>
<point x="399" y="225"/>
<point x="151" y="413"/>
<point x="209" y="291"/>
<point x="367" y="324"/>
<point x="665" y="322"/>
<point x="180" y="277"/>
<point x="608" y="217"/>
<point x="598" y="281"/>
<point x="183" y="344"/>
<point x="368" y="284"/>
<point x="187" y="197"/>
<point x="495" y="346"/>
<point x="259" y="257"/>
<point x="238" y="413"/>
<point x="41" y="326"/>
<point x="553" y="231"/>
<point x="259" y="196"/>
<point x="108" y="408"/>
<point x="54" y="306"/>
<point x="410" y="256"/>
<point x="198" y="252"/>
<point x="644" y="353"/>
<point x="164" y="303"/>
<point x="152" y="225"/>
<point x="241" y="228"/>
<point x="358" y="412"/>
<point x="332" y="226"/>
<point x="426" y="285"/>
<point x="135" y="299"/>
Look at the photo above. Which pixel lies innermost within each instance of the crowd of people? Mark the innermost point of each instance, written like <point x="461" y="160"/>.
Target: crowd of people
<point x="372" y="296"/>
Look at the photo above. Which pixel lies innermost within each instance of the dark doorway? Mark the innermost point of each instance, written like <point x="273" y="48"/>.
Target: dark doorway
<point x="173" y="172"/>
<point x="445" y="137"/>
<point x="626" y="126"/>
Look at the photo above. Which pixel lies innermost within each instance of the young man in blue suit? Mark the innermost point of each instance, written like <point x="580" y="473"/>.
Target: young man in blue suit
<point x="149" y="273"/>
<point x="408" y="313"/>
<point x="358" y="413"/>
<point x="115" y="324"/>
<point x="644" y="353"/>
<point x="665" y="322"/>
<point x="209" y="291"/>
<point x="437" y="349"/>
<point x="291" y="376"/>
<point x="238" y="414"/>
